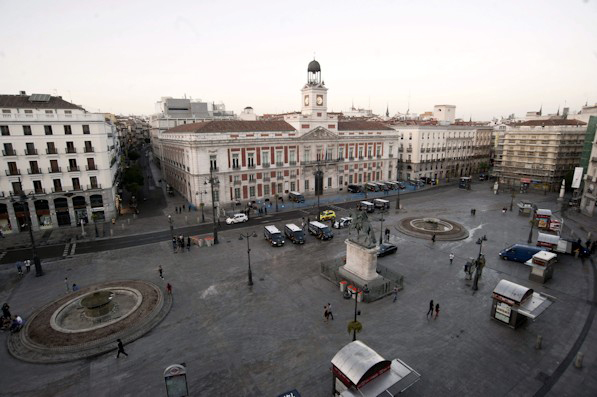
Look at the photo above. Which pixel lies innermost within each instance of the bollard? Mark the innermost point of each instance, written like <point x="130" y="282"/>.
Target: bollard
<point x="538" y="342"/>
<point x="122" y="226"/>
<point x="578" y="360"/>
<point x="111" y="233"/>
<point x="134" y="216"/>
<point x="128" y="221"/>
<point x="186" y="219"/>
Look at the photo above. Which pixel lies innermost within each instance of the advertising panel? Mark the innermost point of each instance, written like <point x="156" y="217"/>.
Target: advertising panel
<point x="577" y="177"/>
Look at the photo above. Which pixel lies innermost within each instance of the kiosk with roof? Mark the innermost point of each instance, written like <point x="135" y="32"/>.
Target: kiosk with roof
<point x="514" y="303"/>
<point x="541" y="266"/>
<point x="358" y="370"/>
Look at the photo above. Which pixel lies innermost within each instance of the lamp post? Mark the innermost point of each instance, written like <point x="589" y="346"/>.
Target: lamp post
<point x="512" y="194"/>
<point x="171" y="227"/>
<point x="381" y="228"/>
<point x="23" y="199"/>
<point x="213" y="181"/>
<point x="478" y="264"/>
<point x="201" y="204"/>
<point x="318" y="187"/>
<point x="364" y="290"/>
<point x="398" y="168"/>
<point x="530" y="239"/>
<point x="248" y="236"/>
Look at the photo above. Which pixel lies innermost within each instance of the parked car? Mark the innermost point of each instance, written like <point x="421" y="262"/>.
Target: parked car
<point x="273" y="235"/>
<point x="520" y="252"/>
<point x="294" y="233"/>
<point x="237" y="218"/>
<point x="483" y="177"/>
<point x="320" y="230"/>
<point x="343" y="222"/>
<point x="401" y="185"/>
<point x="327" y="215"/>
<point x="354" y="189"/>
<point x="296" y="196"/>
<point x="387" y="249"/>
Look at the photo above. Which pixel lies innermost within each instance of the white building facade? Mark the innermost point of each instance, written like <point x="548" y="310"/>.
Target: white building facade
<point x="60" y="163"/>
<point x="259" y="160"/>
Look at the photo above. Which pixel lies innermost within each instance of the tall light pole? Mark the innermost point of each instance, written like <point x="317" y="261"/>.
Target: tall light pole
<point x="512" y="194"/>
<point x="478" y="264"/>
<point x="356" y="324"/>
<point x="398" y="169"/>
<point x="248" y="236"/>
<point x="202" y="204"/>
<point x="23" y="199"/>
<point x="530" y="239"/>
<point x="318" y="187"/>
<point x="381" y="228"/>
<point x="213" y="181"/>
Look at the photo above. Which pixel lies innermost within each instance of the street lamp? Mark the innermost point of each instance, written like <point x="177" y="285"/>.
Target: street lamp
<point x="318" y="187"/>
<point x="512" y="194"/>
<point x="201" y="204"/>
<point x="213" y="181"/>
<point x="478" y="263"/>
<point x="398" y="168"/>
<point x="248" y="236"/>
<point x="355" y="325"/>
<point x="530" y="239"/>
<point x="171" y="227"/>
<point x="381" y="228"/>
<point x="23" y="199"/>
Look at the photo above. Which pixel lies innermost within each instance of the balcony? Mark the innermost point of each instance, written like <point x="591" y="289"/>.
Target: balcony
<point x="14" y="171"/>
<point x="279" y="164"/>
<point x="91" y="167"/>
<point x="292" y="162"/>
<point x="401" y="150"/>
<point x="360" y="157"/>
<point x="52" y="150"/>
<point x="237" y="182"/>
<point x="89" y="149"/>
<point x="265" y="165"/>
<point x="266" y="179"/>
<point x="40" y="190"/>
<point x="391" y="155"/>
<point x="31" y="152"/>
<point x="370" y="157"/>
<point x="9" y="152"/>
<point x="251" y="166"/>
<point x="350" y="158"/>
<point x="236" y="167"/>
<point x="252" y="181"/>
<point x="95" y="186"/>
<point x="54" y="170"/>
<point x="280" y="177"/>
<point x="57" y="189"/>
<point x="74" y="168"/>
<point x="17" y="192"/>
<point x="379" y="156"/>
<point x="33" y="171"/>
<point x="71" y="150"/>
<point x="77" y="188"/>
<point x="213" y="169"/>
<point x="409" y="150"/>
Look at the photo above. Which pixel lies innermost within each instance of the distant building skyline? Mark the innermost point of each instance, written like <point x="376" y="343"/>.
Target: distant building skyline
<point x="402" y="56"/>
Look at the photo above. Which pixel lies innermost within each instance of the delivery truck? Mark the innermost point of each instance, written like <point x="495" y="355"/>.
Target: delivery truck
<point x="555" y="243"/>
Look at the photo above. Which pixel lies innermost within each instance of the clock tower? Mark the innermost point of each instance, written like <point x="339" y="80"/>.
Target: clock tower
<point x="314" y="94"/>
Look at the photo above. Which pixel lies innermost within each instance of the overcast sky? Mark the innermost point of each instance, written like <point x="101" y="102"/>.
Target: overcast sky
<point x="489" y="58"/>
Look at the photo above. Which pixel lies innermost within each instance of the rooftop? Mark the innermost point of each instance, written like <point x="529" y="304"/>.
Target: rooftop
<point x="362" y="126"/>
<point x="233" y="126"/>
<point x="24" y="102"/>
<point x="550" y="122"/>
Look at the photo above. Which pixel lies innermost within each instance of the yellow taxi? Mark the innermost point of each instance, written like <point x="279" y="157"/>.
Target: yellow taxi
<point x="327" y="215"/>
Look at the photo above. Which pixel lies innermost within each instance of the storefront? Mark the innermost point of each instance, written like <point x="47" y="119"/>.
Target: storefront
<point x="62" y="214"/>
<point x="5" y="225"/>
<point x="514" y="303"/>
<point x="80" y="207"/>
<point x="358" y="370"/>
<point x="42" y="211"/>
<point x="22" y="215"/>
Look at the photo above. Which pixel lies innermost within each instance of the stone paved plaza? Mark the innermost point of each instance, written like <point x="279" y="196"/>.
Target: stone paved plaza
<point x="272" y="338"/>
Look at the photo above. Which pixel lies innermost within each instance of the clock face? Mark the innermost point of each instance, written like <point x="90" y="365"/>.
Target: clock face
<point x="319" y="100"/>
<point x="306" y="100"/>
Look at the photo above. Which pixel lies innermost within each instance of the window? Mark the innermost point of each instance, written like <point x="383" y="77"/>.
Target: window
<point x="292" y="157"/>
<point x="8" y="150"/>
<point x="72" y="165"/>
<point x="293" y="186"/>
<point x="237" y="193"/>
<point x="351" y="153"/>
<point x="329" y="182"/>
<point x="26" y="130"/>
<point x="93" y="182"/>
<point x="48" y="129"/>
<point x="265" y="159"/>
<point x="5" y="111"/>
<point x="76" y="184"/>
<point x="57" y="185"/>
<point x="17" y="188"/>
<point x="378" y="151"/>
<point x="251" y="191"/>
<point x="34" y="168"/>
<point x="37" y="187"/>
<point x="279" y="157"/>
<point x="70" y="147"/>
<point x="266" y="189"/>
<point x="350" y="179"/>
<point x="28" y="111"/>
<point x="68" y="112"/>
<point x="329" y="153"/>
<point x="4" y="129"/>
<point x="51" y="149"/>
<point x="361" y="152"/>
<point x="360" y="178"/>
<point x="251" y="177"/>
<point x="54" y="166"/>
<point x="251" y="159"/>
<point x="369" y="152"/>
<point x="306" y="185"/>
<point x="30" y="149"/>
<point x="213" y="163"/>
<point x="12" y="168"/>
<point x="86" y="129"/>
<point x="91" y="164"/>
<point x="88" y="147"/>
<point x="49" y="112"/>
<point x="307" y="154"/>
<point x="67" y="130"/>
<point x="235" y="161"/>
<point x="341" y="153"/>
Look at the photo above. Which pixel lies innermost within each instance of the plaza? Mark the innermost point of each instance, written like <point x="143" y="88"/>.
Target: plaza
<point x="270" y="338"/>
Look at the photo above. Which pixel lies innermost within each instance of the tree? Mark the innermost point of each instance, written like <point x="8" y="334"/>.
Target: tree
<point x="133" y="155"/>
<point x="133" y="179"/>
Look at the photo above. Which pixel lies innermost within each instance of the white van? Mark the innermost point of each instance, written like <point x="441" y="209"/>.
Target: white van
<point x="381" y="203"/>
<point x="273" y="235"/>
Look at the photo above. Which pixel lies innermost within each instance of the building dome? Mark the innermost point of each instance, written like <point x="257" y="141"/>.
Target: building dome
<point x="314" y="67"/>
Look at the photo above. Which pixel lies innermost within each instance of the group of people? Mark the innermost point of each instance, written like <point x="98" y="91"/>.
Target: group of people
<point x="14" y="323"/>
<point x="431" y="310"/>
<point x="182" y="208"/>
<point x="168" y="285"/>
<point x="327" y="312"/>
<point x="20" y="264"/>
<point x="178" y="243"/>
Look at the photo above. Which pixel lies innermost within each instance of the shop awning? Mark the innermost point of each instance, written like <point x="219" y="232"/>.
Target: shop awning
<point x="391" y="383"/>
<point x="535" y="305"/>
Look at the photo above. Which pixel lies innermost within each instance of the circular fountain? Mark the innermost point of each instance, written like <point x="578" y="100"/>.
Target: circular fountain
<point x="426" y="227"/>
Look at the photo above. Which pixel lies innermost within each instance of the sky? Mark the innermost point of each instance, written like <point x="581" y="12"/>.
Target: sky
<point x="489" y="58"/>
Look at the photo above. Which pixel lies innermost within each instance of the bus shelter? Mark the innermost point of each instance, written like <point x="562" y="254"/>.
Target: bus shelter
<point x="358" y="370"/>
<point x="514" y="303"/>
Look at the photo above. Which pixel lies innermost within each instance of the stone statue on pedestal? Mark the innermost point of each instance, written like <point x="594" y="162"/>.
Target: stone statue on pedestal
<point x="364" y="236"/>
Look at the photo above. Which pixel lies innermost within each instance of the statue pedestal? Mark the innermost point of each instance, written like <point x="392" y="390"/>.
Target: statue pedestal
<point x="361" y="264"/>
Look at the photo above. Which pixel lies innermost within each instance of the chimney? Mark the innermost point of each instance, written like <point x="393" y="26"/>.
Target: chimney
<point x="22" y="93"/>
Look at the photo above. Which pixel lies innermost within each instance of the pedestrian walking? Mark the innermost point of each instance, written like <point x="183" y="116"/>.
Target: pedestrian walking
<point x="326" y="314"/>
<point x="330" y="311"/>
<point x="169" y="288"/>
<point x="161" y="271"/>
<point x="28" y="265"/>
<point x="395" y="293"/>
<point x="67" y="285"/>
<point x="265" y="209"/>
<point x="308" y="221"/>
<point x="430" y="311"/>
<point x="120" y="348"/>
<point x="19" y="268"/>
<point x="189" y="207"/>
<point x="387" y="233"/>
<point x="451" y="257"/>
<point x="6" y="311"/>
<point x="504" y="210"/>
<point x="436" y="310"/>
<point x="433" y="238"/>
<point x="188" y="243"/>
<point x="174" y="243"/>
<point x="75" y="287"/>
